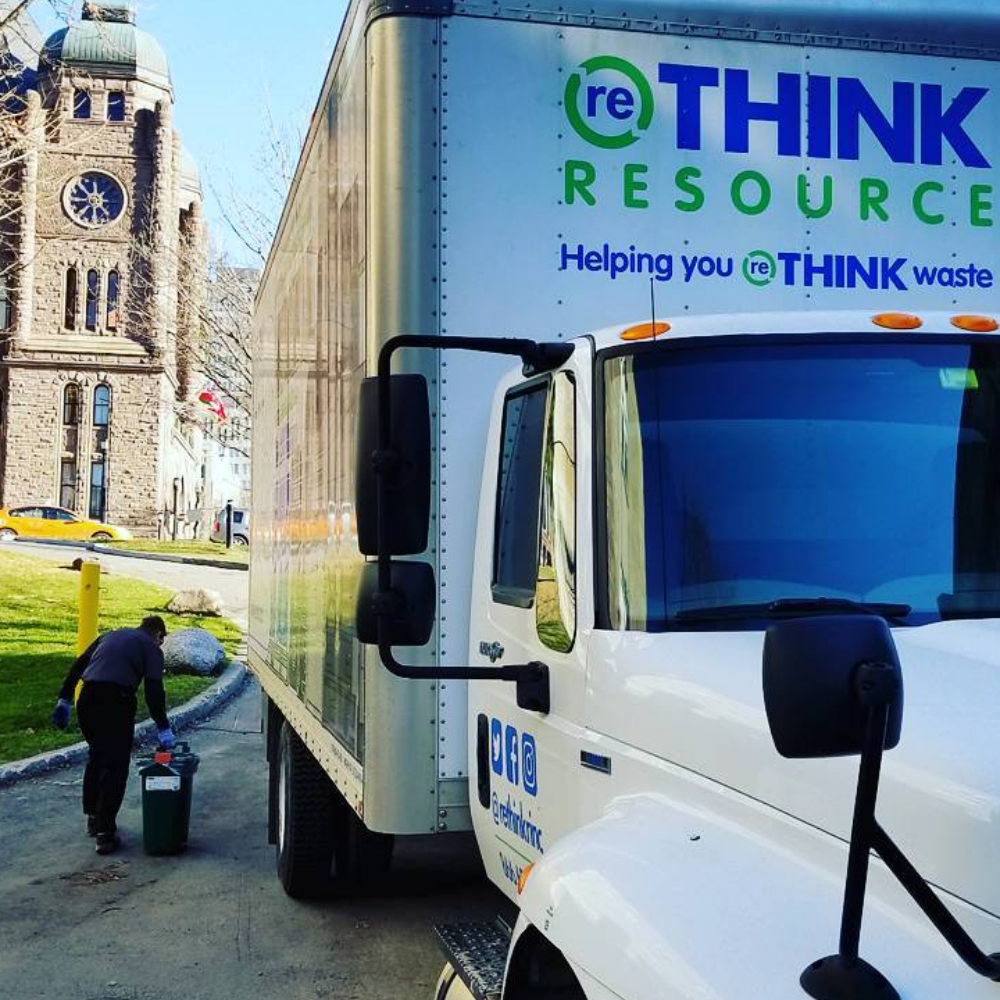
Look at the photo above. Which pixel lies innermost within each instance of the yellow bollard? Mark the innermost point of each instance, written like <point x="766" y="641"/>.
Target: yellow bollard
<point x="90" y="599"/>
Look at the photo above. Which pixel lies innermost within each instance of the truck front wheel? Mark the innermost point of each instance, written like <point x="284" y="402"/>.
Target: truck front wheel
<point x="306" y="817"/>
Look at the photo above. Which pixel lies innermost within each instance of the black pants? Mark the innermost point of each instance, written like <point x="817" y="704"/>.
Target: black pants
<point x="107" y="719"/>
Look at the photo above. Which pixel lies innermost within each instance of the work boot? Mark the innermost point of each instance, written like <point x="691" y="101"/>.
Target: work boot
<point x="91" y="826"/>
<point x="108" y="843"/>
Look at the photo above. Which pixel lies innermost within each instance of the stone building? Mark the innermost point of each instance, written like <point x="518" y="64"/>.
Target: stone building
<point x="105" y="263"/>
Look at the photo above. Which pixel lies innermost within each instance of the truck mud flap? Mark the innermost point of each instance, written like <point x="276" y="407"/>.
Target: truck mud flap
<point x="478" y="954"/>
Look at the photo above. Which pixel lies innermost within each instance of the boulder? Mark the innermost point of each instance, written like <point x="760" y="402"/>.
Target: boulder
<point x="196" y="601"/>
<point x="193" y="651"/>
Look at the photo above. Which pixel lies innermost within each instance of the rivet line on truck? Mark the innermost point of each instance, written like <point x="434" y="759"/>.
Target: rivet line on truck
<point x="627" y="491"/>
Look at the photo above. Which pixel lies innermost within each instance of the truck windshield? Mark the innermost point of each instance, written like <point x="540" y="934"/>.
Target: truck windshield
<point x="782" y="470"/>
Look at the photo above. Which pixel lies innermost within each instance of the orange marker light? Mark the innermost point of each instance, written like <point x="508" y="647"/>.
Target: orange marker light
<point x="523" y="878"/>
<point x="898" y="321"/>
<point x="975" y="324"/>
<point x="644" y="331"/>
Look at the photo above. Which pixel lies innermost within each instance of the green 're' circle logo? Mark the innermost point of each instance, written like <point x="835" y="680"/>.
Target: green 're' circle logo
<point x="603" y="107"/>
<point x="759" y="268"/>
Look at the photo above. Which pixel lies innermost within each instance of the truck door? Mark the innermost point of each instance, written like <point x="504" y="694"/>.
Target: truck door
<point x="524" y="609"/>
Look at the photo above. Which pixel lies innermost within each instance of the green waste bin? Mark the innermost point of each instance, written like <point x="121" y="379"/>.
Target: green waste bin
<point x="167" y="778"/>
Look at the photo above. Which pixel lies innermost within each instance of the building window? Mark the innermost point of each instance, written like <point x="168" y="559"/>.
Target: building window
<point x="114" y="287"/>
<point x="72" y="416"/>
<point x="116" y="106"/>
<point x="99" y="459"/>
<point x="102" y="411"/>
<point x="81" y="104"/>
<point x="102" y="418"/>
<point x="98" y="490"/>
<point x="93" y="294"/>
<point x="72" y="408"/>
<point x="67" y="483"/>
<point x="72" y="299"/>
<point x="6" y="305"/>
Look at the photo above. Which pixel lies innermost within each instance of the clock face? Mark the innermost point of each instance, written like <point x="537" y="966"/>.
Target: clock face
<point x="94" y="199"/>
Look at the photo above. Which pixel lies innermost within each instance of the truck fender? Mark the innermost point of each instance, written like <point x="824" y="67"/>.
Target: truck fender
<point x="662" y="899"/>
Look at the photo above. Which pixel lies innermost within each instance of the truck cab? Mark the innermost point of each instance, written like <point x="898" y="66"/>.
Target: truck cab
<point x="648" y="511"/>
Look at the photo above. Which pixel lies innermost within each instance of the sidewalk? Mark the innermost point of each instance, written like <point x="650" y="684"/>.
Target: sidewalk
<point x="111" y="550"/>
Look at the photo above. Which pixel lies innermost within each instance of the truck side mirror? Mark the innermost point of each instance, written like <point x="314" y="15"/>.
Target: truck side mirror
<point x="409" y="604"/>
<point x="821" y="675"/>
<point x="405" y="467"/>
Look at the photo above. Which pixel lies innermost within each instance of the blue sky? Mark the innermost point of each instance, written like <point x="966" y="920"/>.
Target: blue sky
<point x="231" y="61"/>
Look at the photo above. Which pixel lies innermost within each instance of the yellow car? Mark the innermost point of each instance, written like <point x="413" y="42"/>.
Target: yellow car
<point x="54" y="522"/>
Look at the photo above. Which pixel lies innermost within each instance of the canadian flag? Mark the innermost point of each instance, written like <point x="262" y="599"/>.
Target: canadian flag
<point x="213" y="402"/>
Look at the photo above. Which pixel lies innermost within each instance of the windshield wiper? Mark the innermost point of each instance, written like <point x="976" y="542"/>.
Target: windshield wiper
<point x="790" y="607"/>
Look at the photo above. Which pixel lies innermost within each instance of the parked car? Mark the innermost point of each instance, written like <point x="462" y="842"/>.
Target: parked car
<point x="54" y="522"/>
<point x="241" y="526"/>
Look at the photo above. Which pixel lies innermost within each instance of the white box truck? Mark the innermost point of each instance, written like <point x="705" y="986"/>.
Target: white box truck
<point x="633" y="610"/>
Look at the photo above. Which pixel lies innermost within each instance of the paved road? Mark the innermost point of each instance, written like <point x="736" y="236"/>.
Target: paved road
<point x="232" y="585"/>
<point x="212" y="924"/>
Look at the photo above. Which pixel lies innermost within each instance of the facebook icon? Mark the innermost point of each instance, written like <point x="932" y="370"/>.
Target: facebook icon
<point x="513" y="756"/>
<point x="496" y="746"/>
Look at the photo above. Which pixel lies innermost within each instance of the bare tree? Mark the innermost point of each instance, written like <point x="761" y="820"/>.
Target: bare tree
<point x="252" y="216"/>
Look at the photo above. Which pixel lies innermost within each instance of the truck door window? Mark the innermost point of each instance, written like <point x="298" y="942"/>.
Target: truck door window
<point x="555" y="593"/>
<point x="515" y="549"/>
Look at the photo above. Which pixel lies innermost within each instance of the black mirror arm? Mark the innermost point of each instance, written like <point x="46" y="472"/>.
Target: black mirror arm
<point x="938" y="914"/>
<point x="532" y="679"/>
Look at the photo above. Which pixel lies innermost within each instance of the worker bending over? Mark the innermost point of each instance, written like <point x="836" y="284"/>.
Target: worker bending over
<point x="111" y="669"/>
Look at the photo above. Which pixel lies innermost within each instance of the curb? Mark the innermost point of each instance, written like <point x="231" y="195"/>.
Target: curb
<point x="195" y="710"/>
<point x="110" y="550"/>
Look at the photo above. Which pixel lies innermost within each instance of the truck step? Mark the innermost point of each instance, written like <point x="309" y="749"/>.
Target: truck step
<point x="478" y="953"/>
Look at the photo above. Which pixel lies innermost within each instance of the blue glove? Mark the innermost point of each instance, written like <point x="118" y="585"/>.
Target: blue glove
<point x="60" y="714"/>
<point x="166" y="738"/>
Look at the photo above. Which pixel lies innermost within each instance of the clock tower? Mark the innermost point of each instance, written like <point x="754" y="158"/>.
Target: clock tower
<point x="109" y="268"/>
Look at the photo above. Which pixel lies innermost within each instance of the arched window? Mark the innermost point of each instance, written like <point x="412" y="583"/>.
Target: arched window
<point x="72" y="299"/>
<point x="114" y="286"/>
<point x="81" y="104"/>
<point x="116" y="106"/>
<point x="93" y="294"/>
<point x="72" y="415"/>
<point x="99" y="459"/>
<point x="102" y="406"/>
<point x="72" y="408"/>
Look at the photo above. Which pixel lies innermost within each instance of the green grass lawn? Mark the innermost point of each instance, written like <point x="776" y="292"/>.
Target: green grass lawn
<point x="38" y="607"/>
<point x="203" y="550"/>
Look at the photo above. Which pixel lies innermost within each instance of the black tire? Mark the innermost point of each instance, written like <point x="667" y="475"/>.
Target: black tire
<point x="7" y="534"/>
<point x="240" y="541"/>
<point x="100" y="536"/>
<point x="306" y="817"/>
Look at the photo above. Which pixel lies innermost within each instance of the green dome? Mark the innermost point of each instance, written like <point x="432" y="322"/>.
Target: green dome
<point x="107" y="43"/>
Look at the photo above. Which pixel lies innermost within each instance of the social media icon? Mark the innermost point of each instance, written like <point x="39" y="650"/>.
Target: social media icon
<point x="496" y="746"/>
<point x="513" y="755"/>
<point x="529" y="765"/>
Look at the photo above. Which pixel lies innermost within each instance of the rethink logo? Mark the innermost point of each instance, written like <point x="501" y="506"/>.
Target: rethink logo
<point x="770" y="115"/>
<point x="612" y="113"/>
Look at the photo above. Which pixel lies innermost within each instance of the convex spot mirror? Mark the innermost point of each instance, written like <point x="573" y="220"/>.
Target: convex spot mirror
<point x="816" y="692"/>
<point x="407" y="490"/>
<point x="411" y="598"/>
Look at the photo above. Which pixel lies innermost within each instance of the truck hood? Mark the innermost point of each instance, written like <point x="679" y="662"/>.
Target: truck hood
<point x="695" y="699"/>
